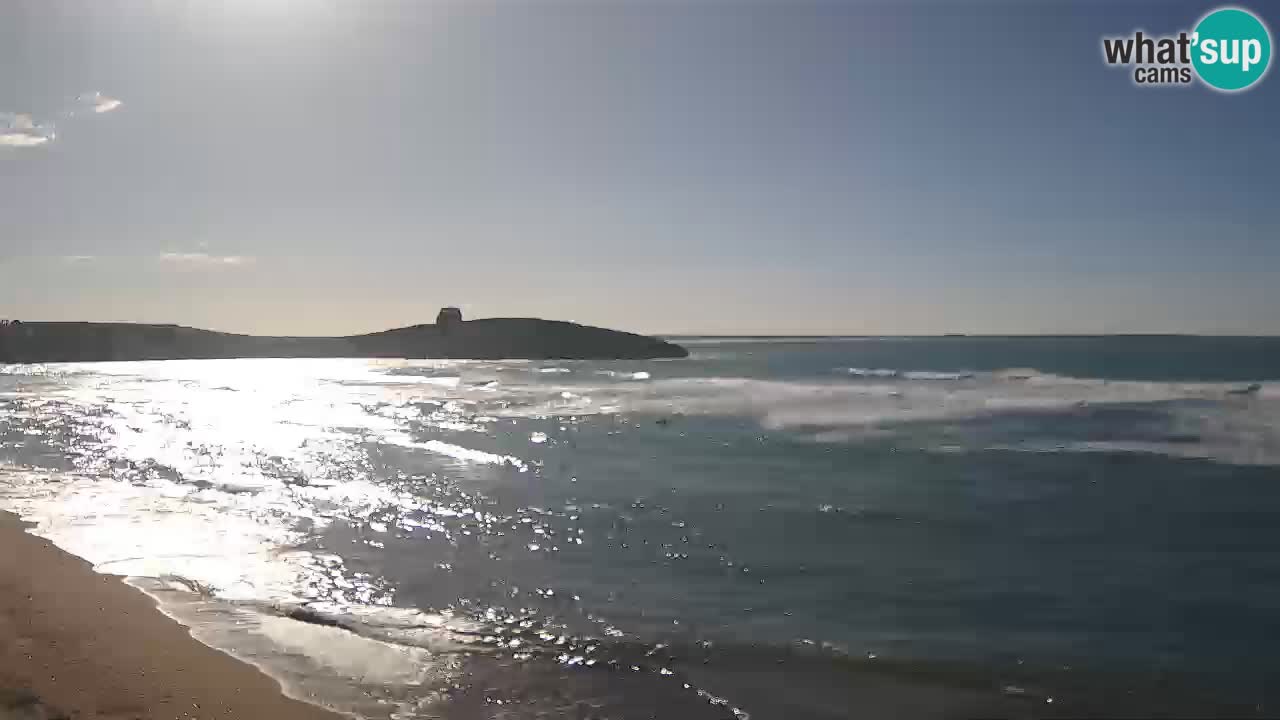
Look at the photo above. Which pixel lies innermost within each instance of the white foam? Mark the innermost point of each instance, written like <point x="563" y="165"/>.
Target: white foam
<point x="458" y="452"/>
<point x="1230" y="427"/>
<point x="925" y="375"/>
<point x="872" y="372"/>
<point x="907" y="374"/>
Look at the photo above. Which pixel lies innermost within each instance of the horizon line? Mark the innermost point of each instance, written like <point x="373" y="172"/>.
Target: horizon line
<point x="732" y="336"/>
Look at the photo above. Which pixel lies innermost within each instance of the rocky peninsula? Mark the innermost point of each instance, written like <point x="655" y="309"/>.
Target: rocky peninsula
<point x="449" y="337"/>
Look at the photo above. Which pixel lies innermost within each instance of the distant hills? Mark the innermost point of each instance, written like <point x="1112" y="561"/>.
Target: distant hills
<point x="494" y="338"/>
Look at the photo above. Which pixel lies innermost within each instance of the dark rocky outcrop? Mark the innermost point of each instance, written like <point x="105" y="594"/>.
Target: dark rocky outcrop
<point x="494" y="338"/>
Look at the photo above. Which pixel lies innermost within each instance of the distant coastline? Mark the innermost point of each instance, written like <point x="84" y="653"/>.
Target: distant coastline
<point x="968" y="336"/>
<point x="449" y="337"/>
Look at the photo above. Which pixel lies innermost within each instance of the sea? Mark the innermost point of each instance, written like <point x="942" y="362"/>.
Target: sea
<point x="793" y="528"/>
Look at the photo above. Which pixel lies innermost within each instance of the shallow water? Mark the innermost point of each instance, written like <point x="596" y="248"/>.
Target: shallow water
<point x="755" y="530"/>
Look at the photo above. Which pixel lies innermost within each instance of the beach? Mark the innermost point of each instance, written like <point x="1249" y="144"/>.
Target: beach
<point x="77" y="644"/>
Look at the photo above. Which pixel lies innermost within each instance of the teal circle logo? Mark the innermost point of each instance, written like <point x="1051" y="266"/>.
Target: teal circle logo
<point x="1231" y="49"/>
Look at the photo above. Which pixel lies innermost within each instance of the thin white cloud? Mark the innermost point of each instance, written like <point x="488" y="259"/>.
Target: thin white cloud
<point x="199" y="259"/>
<point x="20" y="130"/>
<point x="97" y="102"/>
<point x="21" y="139"/>
<point x="78" y="258"/>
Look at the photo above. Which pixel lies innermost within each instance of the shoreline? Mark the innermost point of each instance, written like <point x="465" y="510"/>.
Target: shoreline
<point x="76" y="643"/>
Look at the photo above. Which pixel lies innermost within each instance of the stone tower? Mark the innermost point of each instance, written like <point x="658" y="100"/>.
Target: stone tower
<point x="447" y="319"/>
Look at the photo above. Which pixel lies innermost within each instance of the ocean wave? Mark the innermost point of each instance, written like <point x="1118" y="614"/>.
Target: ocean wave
<point x="458" y="452"/>
<point x="872" y="372"/>
<point x="290" y="414"/>
<point x="1230" y="422"/>
<point x="317" y="659"/>
<point x="626" y="374"/>
<point x="520" y="636"/>
<point x="907" y="374"/>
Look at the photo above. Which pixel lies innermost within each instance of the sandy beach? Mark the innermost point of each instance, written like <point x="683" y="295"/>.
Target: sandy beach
<point x="76" y="644"/>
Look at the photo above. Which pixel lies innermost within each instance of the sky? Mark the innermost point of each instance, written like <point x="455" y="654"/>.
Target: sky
<point x="661" y="166"/>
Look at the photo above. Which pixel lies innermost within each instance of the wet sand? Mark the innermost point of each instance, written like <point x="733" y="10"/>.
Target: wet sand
<point x="77" y="644"/>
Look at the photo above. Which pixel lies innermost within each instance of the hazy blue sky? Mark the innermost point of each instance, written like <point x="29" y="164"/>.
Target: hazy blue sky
<point x="319" y="166"/>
